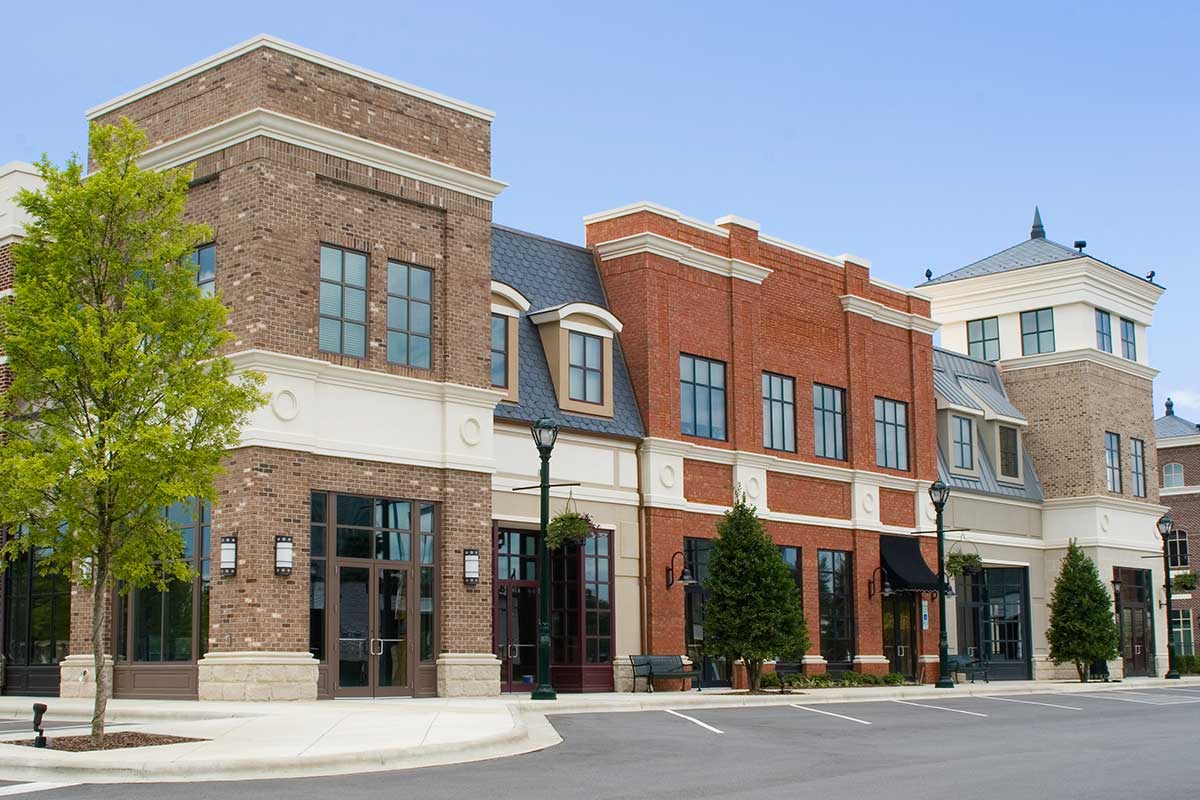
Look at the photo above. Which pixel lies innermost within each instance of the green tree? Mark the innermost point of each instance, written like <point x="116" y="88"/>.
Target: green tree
<point x="1082" y="628"/>
<point x="753" y="611"/>
<point x="119" y="404"/>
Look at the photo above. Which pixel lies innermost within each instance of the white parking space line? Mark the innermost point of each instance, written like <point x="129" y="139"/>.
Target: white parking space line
<point x="26" y="788"/>
<point x="1111" y="696"/>
<point x="830" y="714"/>
<point x="939" y="708"/>
<point x="704" y="725"/>
<point x="1028" y="702"/>
<point x="1163" y="693"/>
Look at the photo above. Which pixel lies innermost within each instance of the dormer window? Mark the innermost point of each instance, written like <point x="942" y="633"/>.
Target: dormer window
<point x="578" y="341"/>
<point x="1010" y="452"/>
<point x="507" y="306"/>
<point x="964" y="447"/>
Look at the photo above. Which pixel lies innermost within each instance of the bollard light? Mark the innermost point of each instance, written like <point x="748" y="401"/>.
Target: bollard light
<point x="39" y="711"/>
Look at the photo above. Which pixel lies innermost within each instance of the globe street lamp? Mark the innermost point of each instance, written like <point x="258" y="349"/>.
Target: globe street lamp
<point x="544" y="431"/>
<point x="939" y="493"/>
<point x="1165" y="526"/>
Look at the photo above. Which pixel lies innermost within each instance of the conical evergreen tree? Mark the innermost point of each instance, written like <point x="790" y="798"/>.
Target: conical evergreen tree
<point x="753" y="611"/>
<point x="1082" y="628"/>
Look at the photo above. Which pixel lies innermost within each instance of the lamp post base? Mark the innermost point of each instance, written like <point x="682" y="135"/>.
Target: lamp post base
<point x="1172" y="675"/>
<point x="944" y="683"/>
<point x="544" y="693"/>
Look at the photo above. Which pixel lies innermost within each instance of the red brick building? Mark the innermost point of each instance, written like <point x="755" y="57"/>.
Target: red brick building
<point x="797" y="377"/>
<point x="1179" y="475"/>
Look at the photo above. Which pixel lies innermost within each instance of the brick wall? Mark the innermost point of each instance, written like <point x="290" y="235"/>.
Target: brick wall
<point x="8" y="268"/>
<point x="705" y="482"/>
<point x="795" y="494"/>
<point x="1066" y="429"/>
<point x="897" y="508"/>
<point x="1185" y="511"/>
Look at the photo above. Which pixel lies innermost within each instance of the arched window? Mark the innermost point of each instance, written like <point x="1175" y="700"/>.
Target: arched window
<point x="1172" y="475"/>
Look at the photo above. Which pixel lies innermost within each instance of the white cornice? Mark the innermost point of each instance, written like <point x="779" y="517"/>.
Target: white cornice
<point x="511" y="295"/>
<point x="716" y="455"/>
<point x="1104" y="501"/>
<point x="683" y="253"/>
<point x="654" y="208"/>
<point x="271" y="124"/>
<point x="1092" y="355"/>
<point x="265" y="40"/>
<point x="1077" y="280"/>
<point x="853" y="304"/>
<point x="1179" y="441"/>
<point x="1176" y="491"/>
<point x="734" y="219"/>
<point x="560" y="313"/>
<point x="353" y="377"/>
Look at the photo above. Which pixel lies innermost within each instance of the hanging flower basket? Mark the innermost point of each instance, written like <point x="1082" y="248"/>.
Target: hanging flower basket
<point x="1185" y="581"/>
<point x="569" y="526"/>
<point x="963" y="564"/>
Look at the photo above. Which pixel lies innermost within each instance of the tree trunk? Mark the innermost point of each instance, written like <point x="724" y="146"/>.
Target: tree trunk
<point x="99" y="587"/>
<point x="754" y="674"/>
<point x="1082" y="669"/>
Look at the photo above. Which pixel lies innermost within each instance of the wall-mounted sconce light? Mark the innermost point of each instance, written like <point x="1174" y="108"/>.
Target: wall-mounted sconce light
<point x="228" y="555"/>
<point x="283" y="555"/>
<point x="470" y="566"/>
<point x="885" y="589"/>
<point x="684" y="578"/>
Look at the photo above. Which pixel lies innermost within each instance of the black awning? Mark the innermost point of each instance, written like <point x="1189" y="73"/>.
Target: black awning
<point x="900" y="557"/>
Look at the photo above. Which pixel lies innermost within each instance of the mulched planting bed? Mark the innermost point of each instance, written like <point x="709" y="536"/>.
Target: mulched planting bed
<point x="112" y="741"/>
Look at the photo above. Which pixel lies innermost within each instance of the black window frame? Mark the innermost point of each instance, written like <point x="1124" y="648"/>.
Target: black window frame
<point x="584" y="369"/>
<point x="836" y="606"/>
<point x="978" y="345"/>
<point x="340" y="318"/>
<point x="207" y="285"/>
<point x="1137" y="466"/>
<point x="1128" y="339"/>
<point x="1177" y="550"/>
<point x="795" y="565"/>
<point x="882" y="428"/>
<point x="710" y="390"/>
<point x="1112" y="462"/>
<point x="776" y="389"/>
<point x="1104" y="331"/>
<point x="1038" y="331"/>
<point x="500" y="355"/>
<point x="25" y="590"/>
<point x="963" y="449"/>
<point x="822" y="416"/>
<point x="1005" y="453"/>
<point x="395" y="328"/>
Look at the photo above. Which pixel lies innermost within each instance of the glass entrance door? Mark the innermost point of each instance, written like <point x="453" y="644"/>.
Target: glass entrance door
<point x="900" y="633"/>
<point x="516" y="636"/>
<point x="1134" y="617"/>
<point x="993" y="620"/>
<point x="373" y="654"/>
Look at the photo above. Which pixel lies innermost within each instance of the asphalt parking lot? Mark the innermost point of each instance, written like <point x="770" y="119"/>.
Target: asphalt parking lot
<point x="1127" y="743"/>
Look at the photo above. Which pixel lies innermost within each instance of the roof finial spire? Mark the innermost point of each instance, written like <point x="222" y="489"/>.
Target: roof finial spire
<point x="1170" y="407"/>
<point x="1038" y="231"/>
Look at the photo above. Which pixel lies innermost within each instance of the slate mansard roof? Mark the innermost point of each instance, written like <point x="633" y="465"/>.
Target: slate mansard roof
<point x="551" y="274"/>
<point x="974" y="384"/>
<point x="1170" y="425"/>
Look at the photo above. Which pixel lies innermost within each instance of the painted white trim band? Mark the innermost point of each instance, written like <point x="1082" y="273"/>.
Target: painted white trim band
<point x="654" y="208"/>
<point x="853" y="304"/>
<point x="560" y="313"/>
<point x="266" y="40"/>
<point x="511" y="294"/>
<point x="1089" y="354"/>
<point x="685" y="254"/>
<point x="273" y="125"/>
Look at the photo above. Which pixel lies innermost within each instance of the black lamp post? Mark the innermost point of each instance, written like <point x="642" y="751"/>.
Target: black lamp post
<point x="1165" y="524"/>
<point x="939" y="493"/>
<point x="544" y="431"/>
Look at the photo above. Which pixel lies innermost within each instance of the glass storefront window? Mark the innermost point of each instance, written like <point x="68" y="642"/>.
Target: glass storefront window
<point x="835" y="580"/>
<point x="37" y="613"/>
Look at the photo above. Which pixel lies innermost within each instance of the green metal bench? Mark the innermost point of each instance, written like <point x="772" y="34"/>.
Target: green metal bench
<point x="654" y="668"/>
<point x="968" y="665"/>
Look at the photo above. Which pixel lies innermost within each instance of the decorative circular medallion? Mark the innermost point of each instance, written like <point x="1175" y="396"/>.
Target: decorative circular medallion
<point x="285" y="405"/>
<point x="753" y="488"/>
<point x="470" y="431"/>
<point x="666" y="476"/>
<point x="868" y="502"/>
<point x="1104" y="522"/>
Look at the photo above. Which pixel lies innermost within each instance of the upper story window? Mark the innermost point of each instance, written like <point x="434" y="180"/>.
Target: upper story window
<point x="983" y="339"/>
<point x="779" y="412"/>
<point x="1010" y="455"/>
<point x="409" y="314"/>
<point x="1172" y="475"/>
<point x="343" y="302"/>
<point x="964" y="447"/>
<point x="702" y="397"/>
<point x="204" y="259"/>
<point x="1128" y="340"/>
<point x="585" y="367"/>
<point x="500" y="351"/>
<point x="1037" y="331"/>
<point x="1104" y="331"/>
<point x="1112" y="462"/>
<point x="829" y="421"/>
<point x="1137" y="457"/>
<point x="1177" y="549"/>
<point x="891" y="433"/>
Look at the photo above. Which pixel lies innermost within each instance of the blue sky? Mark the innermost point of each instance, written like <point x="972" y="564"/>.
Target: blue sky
<point x="917" y="135"/>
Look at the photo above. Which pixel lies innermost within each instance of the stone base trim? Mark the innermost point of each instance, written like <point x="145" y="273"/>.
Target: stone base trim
<point x="468" y="675"/>
<point x="622" y="674"/>
<point x="77" y="676"/>
<point x="258" y="676"/>
<point x="872" y="665"/>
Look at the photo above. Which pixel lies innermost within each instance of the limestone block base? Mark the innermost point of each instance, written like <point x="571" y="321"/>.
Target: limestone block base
<point x="258" y="676"/>
<point x="872" y="665"/>
<point x="622" y="674"/>
<point x="468" y="675"/>
<point x="813" y="665"/>
<point x="1046" y="670"/>
<point x="77" y="676"/>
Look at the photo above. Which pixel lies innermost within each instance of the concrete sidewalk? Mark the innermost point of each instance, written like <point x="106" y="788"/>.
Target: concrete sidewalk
<point x="281" y="740"/>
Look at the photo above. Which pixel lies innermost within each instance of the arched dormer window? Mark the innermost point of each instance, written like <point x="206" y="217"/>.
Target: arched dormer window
<point x="578" y="340"/>
<point x="1172" y="475"/>
<point x="507" y="307"/>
